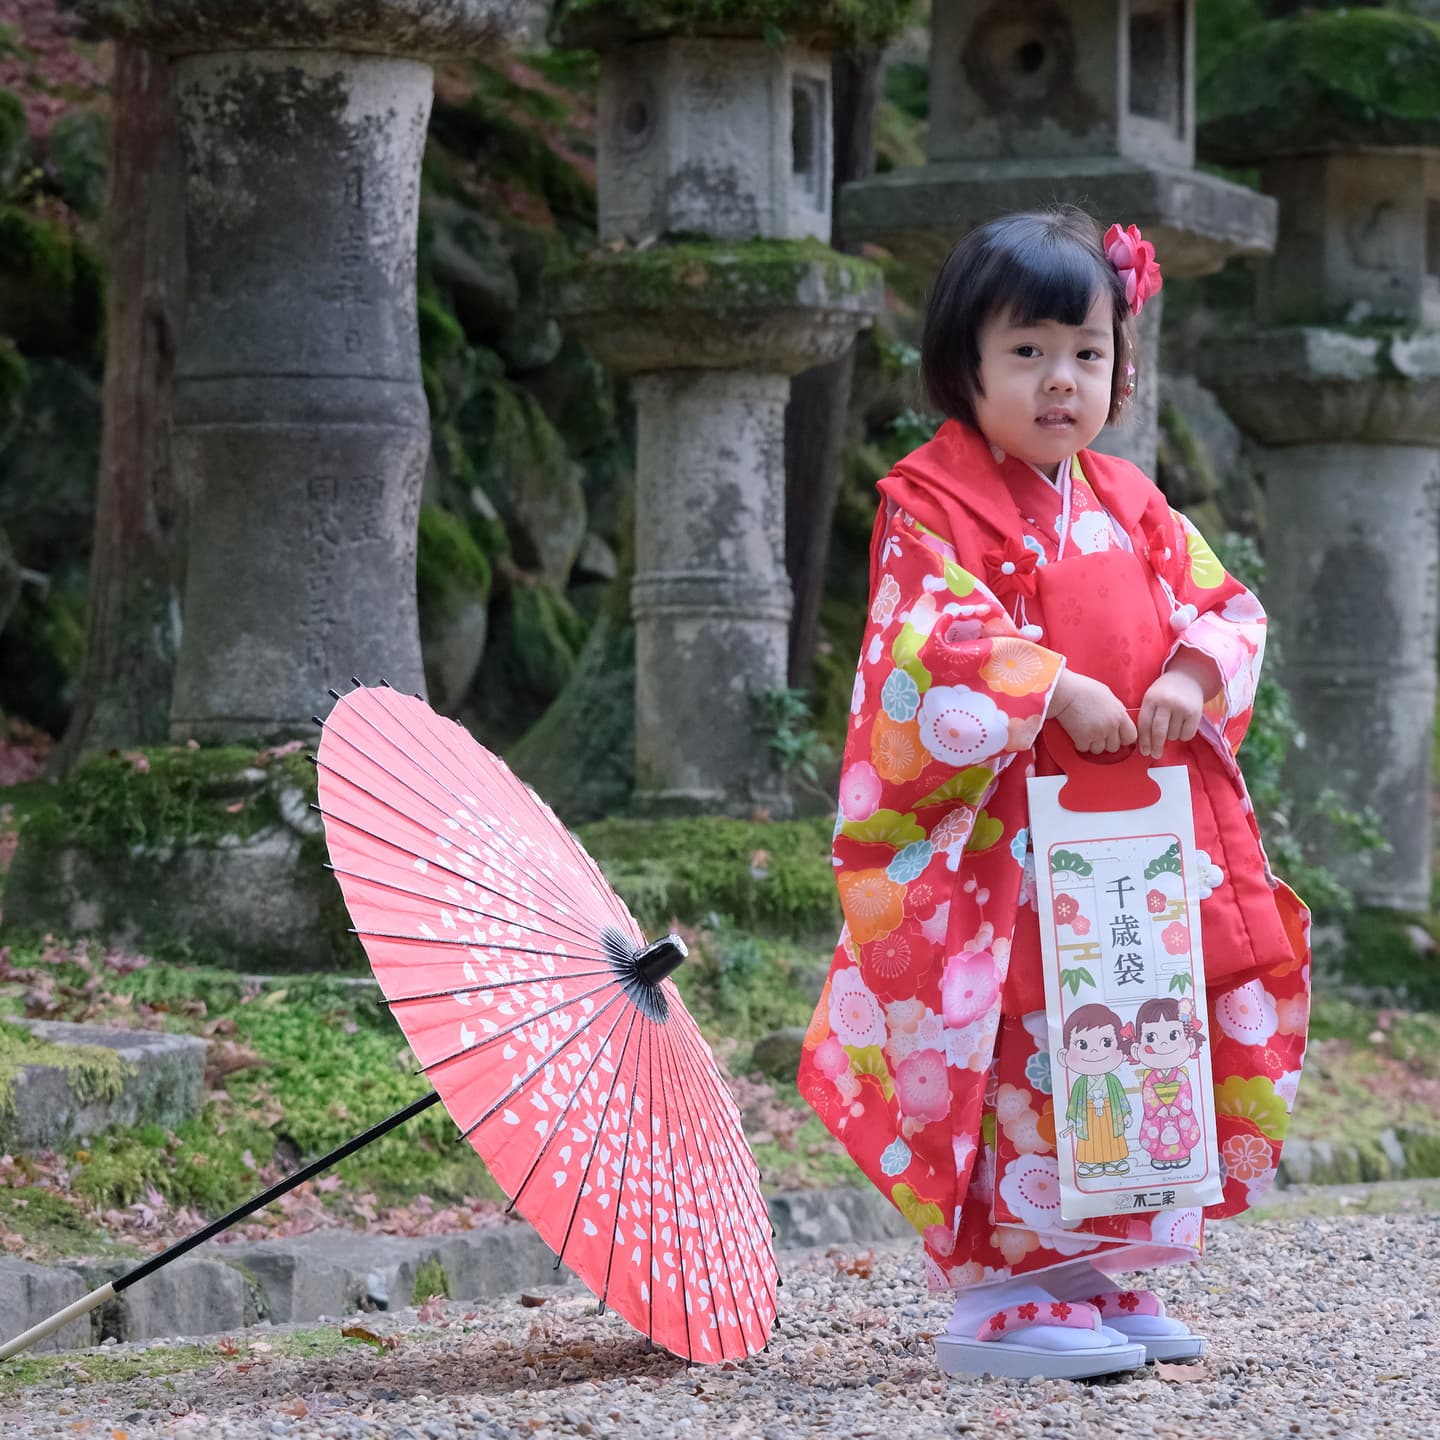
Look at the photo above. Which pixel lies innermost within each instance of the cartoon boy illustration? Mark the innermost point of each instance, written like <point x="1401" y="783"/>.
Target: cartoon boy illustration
<point x="1098" y="1112"/>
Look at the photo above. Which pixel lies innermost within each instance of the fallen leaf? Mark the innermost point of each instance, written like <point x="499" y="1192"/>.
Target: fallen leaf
<point x="299" y="1409"/>
<point x="532" y="1300"/>
<point x="1185" y="1373"/>
<point x="359" y="1332"/>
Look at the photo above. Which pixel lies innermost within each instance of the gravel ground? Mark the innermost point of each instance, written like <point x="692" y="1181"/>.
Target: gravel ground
<point x="1320" y="1327"/>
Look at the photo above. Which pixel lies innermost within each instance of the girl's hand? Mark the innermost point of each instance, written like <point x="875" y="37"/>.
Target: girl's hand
<point x="1172" y="706"/>
<point x="1091" y="714"/>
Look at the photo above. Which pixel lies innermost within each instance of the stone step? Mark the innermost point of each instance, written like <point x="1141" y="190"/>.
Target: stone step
<point x="333" y="1273"/>
<point x="154" y="1078"/>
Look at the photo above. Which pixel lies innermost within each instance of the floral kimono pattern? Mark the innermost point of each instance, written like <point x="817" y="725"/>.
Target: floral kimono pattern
<point x="1168" y="1127"/>
<point x="927" y="1053"/>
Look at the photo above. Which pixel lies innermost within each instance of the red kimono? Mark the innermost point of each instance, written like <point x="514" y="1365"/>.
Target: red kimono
<point x="927" y="1055"/>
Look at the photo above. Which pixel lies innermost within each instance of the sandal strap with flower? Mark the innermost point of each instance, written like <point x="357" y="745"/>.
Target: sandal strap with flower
<point x="1120" y="1303"/>
<point x="1072" y="1314"/>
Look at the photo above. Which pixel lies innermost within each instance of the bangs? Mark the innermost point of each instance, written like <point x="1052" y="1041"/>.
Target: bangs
<point x="1044" y="280"/>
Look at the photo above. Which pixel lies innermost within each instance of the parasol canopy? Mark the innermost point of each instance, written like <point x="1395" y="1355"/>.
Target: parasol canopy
<point x="548" y="1026"/>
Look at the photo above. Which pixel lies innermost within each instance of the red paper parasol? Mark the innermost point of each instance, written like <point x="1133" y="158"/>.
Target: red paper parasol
<point x="547" y="1026"/>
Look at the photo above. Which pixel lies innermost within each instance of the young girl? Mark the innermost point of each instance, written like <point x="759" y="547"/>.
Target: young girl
<point x="1018" y="578"/>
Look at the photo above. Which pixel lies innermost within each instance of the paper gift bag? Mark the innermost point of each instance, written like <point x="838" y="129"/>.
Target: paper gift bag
<point x="1118" y="894"/>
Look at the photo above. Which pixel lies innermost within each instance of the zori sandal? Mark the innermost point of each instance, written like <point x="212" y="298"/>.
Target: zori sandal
<point x="1044" y="1337"/>
<point x="1140" y="1316"/>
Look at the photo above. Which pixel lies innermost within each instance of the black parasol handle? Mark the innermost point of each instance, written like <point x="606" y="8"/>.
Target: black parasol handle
<point x="181" y="1247"/>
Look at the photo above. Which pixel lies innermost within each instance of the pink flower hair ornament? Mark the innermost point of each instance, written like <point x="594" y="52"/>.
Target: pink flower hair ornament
<point x="1134" y="261"/>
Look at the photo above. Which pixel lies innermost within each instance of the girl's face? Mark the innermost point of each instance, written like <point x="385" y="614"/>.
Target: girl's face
<point x="1045" y="388"/>
<point x="1163" y="1044"/>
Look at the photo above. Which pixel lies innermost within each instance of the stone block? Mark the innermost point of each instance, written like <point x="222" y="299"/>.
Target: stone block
<point x="162" y="1080"/>
<point x="191" y="1296"/>
<point x="727" y="137"/>
<point x="1304" y="385"/>
<point x="249" y="901"/>
<point x="1357" y="238"/>
<point x="1064" y="80"/>
<point x="334" y="1272"/>
<point x="778" y="309"/>
<point x="1359" y="561"/>
<point x="842" y="1216"/>
<point x="496" y="1260"/>
<point x="778" y="1054"/>
<point x="298" y="1281"/>
<point x="32" y="1293"/>
<point x="1195" y="221"/>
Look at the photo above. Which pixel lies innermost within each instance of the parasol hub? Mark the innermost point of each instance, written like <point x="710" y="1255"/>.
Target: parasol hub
<point x="661" y="958"/>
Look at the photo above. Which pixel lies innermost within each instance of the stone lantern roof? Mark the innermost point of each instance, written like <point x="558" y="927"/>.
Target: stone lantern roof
<point x="1336" y="80"/>
<point x="821" y="24"/>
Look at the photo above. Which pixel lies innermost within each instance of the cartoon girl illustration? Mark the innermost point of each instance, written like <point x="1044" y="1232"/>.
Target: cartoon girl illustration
<point x="1098" y="1112"/>
<point x="1166" y="1036"/>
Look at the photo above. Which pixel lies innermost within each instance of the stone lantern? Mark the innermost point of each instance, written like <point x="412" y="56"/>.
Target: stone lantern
<point x="1341" y="385"/>
<point x="301" y="428"/>
<point x="1086" y="101"/>
<point x="718" y="136"/>
<point x="717" y="286"/>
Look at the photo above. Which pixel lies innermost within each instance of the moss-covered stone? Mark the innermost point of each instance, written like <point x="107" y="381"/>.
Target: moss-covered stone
<point x="76" y="149"/>
<point x="51" y="285"/>
<point x="580" y="754"/>
<point x="1318" y="80"/>
<point x="95" y="1072"/>
<point x="762" y="876"/>
<point x="521" y="463"/>
<point x="209" y="855"/>
<point x="450" y="568"/>
<point x="453" y="583"/>
<point x="716" y="278"/>
<point x="1381" y="951"/>
<point x="854" y="24"/>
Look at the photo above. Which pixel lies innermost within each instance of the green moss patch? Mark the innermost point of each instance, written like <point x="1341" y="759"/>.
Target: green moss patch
<point x="111" y="1368"/>
<point x="1329" y="79"/>
<point x="857" y="24"/>
<point x="161" y="796"/>
<point x="450" y="568"/>
<point x="713" y="277"/>
<point x="95" y="1072"/>
<point x="774" y="877"/>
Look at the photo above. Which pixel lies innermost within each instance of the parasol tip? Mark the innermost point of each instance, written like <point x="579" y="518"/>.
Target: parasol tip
<point x="661" y="958"/>
<point x="357" y="682"/>
<point x="318" y="721"/>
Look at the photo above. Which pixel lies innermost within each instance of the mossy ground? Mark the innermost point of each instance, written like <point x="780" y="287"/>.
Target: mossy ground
<point x="100" y="1367"/>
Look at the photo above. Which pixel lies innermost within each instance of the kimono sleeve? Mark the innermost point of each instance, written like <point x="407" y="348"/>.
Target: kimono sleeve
<point x="1226" y="623"/>
<point x="947" y="692"/>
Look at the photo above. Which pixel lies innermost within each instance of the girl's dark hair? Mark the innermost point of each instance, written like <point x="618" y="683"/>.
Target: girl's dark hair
<point x="1037" y="265"/>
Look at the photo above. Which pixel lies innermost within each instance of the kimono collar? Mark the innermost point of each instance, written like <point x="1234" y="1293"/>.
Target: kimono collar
<point x="954" y="481"/>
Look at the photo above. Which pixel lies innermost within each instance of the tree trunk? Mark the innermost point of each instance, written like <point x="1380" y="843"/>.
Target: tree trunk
<point x="132" y="630"/>
<point x="820" y="398"/>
